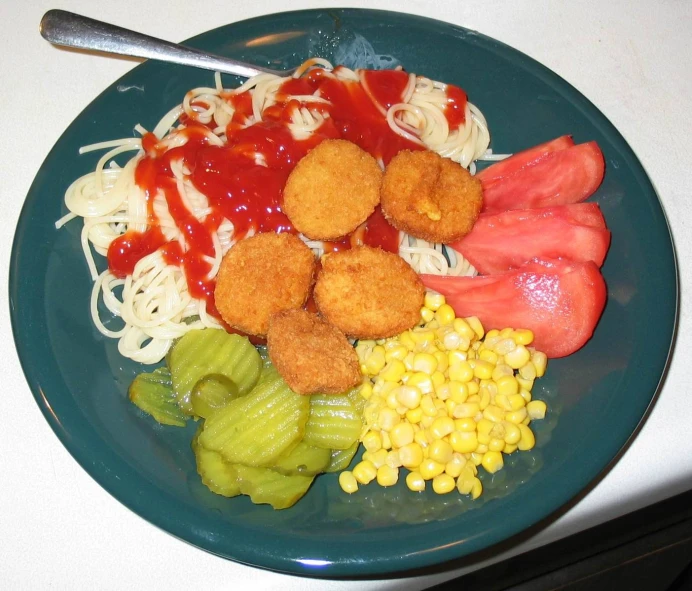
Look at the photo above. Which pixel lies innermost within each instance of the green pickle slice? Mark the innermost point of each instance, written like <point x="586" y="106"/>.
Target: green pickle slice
<point x="256" y="429"/>
<point x="209" y="351"/>
<point x="303" y="459"/>
<point x="334" y="423"/>
<point x="153" y="393"/>
<point x="341" y="458"/>
<point x="268" y="486"/>
<point x="218" y="475"/>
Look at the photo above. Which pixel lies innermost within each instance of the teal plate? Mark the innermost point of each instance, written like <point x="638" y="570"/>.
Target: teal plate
<point x="597" y="397"/>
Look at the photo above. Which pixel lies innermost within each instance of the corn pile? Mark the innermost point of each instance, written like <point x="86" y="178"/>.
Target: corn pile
<point x="444" y="398"/>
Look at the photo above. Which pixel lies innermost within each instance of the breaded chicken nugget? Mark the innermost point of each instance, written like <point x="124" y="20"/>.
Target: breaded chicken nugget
<point x="332" y="190"/>
<point x="313" y="356"/>
<point x="262" y="275"/>
<point x="368" y="293"/>
<point x="430" y="197"/>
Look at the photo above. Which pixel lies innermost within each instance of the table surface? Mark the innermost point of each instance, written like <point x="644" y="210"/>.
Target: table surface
<point x="632" y="58"/>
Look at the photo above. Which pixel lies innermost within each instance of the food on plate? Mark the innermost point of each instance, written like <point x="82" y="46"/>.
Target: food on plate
<point x="506" y="240"/>
<point x="443" y="399"/>
<point x="334" y="423"/>
<point x="553" y="174"/>
<point x="561" y="301"/>
<point x="153" y="393"/>
<point x="332" y="190"/>
<point x="312" y="356"/>
<point x="430" y="197"/>
<point x="368" y="293"/>
<point x="212" y="172"/>
<point x="202" y="353"/>
<point x="260" y="276"/>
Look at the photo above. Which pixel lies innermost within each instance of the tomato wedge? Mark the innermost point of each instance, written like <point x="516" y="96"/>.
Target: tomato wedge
<point x="560" y="301"/>
<point x="561" y="176"/>
<point x="528" y="157"/>
<point x="503" y="241"/>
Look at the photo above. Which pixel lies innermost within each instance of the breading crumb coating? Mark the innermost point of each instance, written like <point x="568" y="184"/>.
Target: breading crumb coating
<point x="260" y="276"/>
<point x="332" y="190"/>
<point x="430" y="197"/>
<point x="368" y="293"/>
<point x="312" y="356"/>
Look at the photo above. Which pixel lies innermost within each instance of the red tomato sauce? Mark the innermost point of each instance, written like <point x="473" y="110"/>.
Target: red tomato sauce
<point x="244" y="179"/>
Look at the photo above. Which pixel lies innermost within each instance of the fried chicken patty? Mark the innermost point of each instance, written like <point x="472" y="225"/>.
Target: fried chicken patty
<point x="430" y="197"/>
<point x="312" y="356"/>
<point x="260" y="276"/>
<point x="368" y="293"/>
<point x="332" y="190"/>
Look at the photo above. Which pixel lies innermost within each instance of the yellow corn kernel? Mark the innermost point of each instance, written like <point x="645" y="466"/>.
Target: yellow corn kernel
<point x="415" y="482"/>
<point x="428" y="406"/>
<point x="536" y="409"/>
<point x="438" y="379"/>
<point x="375" y="361"/>
<point x="422" y="381"/>
<point x="348" y="482"/>
<point x="510" y="448"/>
<point x="466" y="410"/>
<point x="387" y="418"/>
<point x="484" y="426"/>
<point x="443" y="484"/>
<point x="496" y="444"/>
<point x="512" y="433"/>
<point x="477" y="457"/>
<point x="450" y="405"/>
<point x="387" y="476"/>
<point x="365" y="390"/>
<point x="430" y="468"/>
<point x="393" y="371"/>
<point x="473" y="387"/>
<point x="424" y="362"/>
<point x="433" y="300"/>
<point x="409" y="396"/>
<point x="408" y="364"/>
<point x="461" y="371"/>
<point x="524" y="384"/>
<point x="516" y="401"/>
<point x="414" y="415"/>
<point x="528" y="440"/>
<point x="489" y="356"/>
<point x="442" y="426"/>
<point x="493" y="413"/>
<point x="516" y="416"/>
<point x="483" y="370"/>
<point x="386" y="441"/>
<point x="528" y="371"/>
<point x="393" y="459"/>
<point x="406" y="340"/>
<point x="523" y="336"/>
<point x="372" y="441"/>
<point x="427" y="420"/>
<point x="485" y="395"/>
<point x="442" y="360"/>
<point x="463" y="329"/>
<point x="392" y="402"/>
<point x="501" y="370"/>
<point x="456" y="465"/>
<point x="466" y="424"/>
<point x="540" y="360"/>
<point x="456" y="357"/>
<point x="422" y="338"/>
<point x="445" y="315"/>
<point x="393" y="349"/>
<point x="476" y="325"/>
<point x="453" y="341"/>
<point x="364" y="472"/>
<point x="492" y="461"/>
<point x="463" y="441"/>
<point x="526" y="395"/>
<point x="411" y="455"/>
<point x="440" y="451"/>
<point x="426" y="314"/>
<point x="378" y="458"/>
<point x="507" y="385"/>
<point x="520" y="356"/>
<point x="401" y="434"/>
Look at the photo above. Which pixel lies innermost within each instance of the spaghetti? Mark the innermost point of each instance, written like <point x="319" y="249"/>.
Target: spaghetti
<point x="211" y="173"/>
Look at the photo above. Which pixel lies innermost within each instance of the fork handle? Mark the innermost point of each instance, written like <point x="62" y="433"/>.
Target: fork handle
<point x="73" y="30"/>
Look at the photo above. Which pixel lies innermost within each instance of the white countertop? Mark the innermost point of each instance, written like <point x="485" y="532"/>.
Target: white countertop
<point x="60" y="530"/>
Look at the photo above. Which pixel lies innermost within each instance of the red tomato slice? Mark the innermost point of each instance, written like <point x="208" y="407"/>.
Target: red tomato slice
<point x="560" y="301"/>
<point x="506" y="240"/>
<point x="563" y="176"/>
<point x="529" y="157"/>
